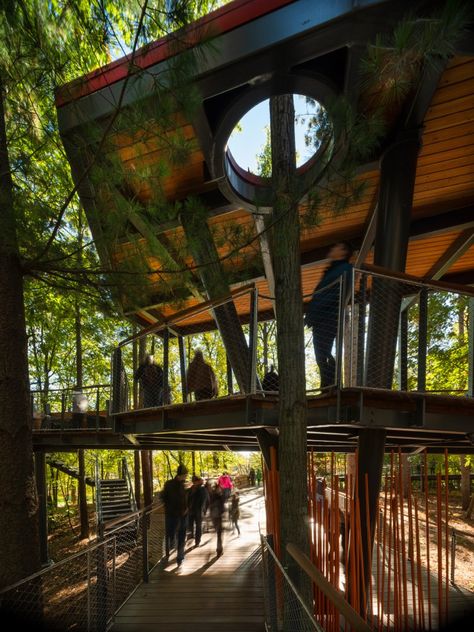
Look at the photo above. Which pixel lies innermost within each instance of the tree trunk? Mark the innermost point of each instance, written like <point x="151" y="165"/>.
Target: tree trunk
<point x="136" y="473"/>
<point x="83" y="512"/>
<point x="19" y="536"/>
<point x="285" y="238"/>
<point x="465" y="482"/>
<point x="147" y="486"/>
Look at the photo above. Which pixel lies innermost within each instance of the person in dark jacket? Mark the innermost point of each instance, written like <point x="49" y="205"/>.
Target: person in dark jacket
<point x="323" y="310"/>
<point x="216" y="509"/>
<point x="198" y="502"/>
<point x="201" y="379"/>
<point x="150" y="377"/>
<point x="174" y="496"/>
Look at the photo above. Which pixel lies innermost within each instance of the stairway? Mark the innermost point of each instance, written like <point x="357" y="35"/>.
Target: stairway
<point x="115" y="499"/>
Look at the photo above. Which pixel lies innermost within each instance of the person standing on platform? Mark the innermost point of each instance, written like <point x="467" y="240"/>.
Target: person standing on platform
<point x="150" y="377"/>
<point x="174" y="496"/>
<point x="322" y="314"/>
<point x="198" y="501"/>
<point x="216" y="510"/>
<point x="201" y="379"/>
<point x="225" y="483"/>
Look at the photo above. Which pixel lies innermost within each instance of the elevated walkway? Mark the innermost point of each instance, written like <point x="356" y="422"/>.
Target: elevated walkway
<point x="207" y="593"/>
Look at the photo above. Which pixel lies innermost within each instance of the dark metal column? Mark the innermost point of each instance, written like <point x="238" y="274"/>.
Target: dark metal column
<point x="370" y="455"/>
<point x="166" y="366"/>
<point x="470" y="382"/>
<point x="362" y="304"/>
<point x="404" y="350"/>
<point x="40" y="475"/>
<point x="397" y="179"/>
<point x="230" y="386"/>
<point x="422" y="338"/>
<point x="213" y="277"/>
<point x="182" y="367"/>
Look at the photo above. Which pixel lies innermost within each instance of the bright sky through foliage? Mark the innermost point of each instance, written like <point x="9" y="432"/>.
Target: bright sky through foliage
<point x="248" y="141"/>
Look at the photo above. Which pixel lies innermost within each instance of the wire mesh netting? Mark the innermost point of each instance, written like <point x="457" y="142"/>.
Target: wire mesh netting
<point x="83" y="592"/>
<point x="408" y="336"/>
<point x="373" y="330"/>
<point x="285" y="607"/>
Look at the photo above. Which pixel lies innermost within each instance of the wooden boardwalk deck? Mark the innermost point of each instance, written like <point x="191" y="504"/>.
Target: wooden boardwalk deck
<point x="206" y="593"/>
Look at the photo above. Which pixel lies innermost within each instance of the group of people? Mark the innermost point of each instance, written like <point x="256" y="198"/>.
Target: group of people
<point x="186" y="507"/>
<point x="200" y="380"/>
<point x="322" y="316"/>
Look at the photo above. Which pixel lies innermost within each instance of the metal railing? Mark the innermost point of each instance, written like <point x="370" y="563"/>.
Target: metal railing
<point x="62" y="407"/>
<point x="285" y="608"/>
<point x="407" y="335"/>
<point x="373" y="330"/>
<point x="85" y="591"/>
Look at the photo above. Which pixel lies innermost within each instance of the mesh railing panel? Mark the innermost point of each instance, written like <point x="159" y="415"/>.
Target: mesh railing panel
<point x="59" y="408"/>
<point x="180" y="364"/>
<point x="407" y="336"/>
<point x="285" y="608"/>
<point x="84" y="591"/>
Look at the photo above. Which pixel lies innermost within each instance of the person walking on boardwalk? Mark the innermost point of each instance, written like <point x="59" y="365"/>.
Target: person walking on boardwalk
<point x="198" y="501"/>
<point x="174" y="496"/>
<point x="234" y="511"/>
<point x="252" y="477"/>
<point x="201" y="379"/>
<point x="150" y="377"/>
<point x="323" y="310"/>
<point x="225" y="483"/>
<point x="216" y="509"/>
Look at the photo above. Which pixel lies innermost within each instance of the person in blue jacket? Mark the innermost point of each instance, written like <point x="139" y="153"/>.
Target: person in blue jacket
<point x="323" y="310"/>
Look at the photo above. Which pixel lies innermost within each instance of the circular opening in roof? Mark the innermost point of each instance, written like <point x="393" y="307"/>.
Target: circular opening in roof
<point x="250" y="142"/>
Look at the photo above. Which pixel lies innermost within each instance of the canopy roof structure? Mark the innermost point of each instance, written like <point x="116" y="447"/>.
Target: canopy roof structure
<point x="253" y="50"/>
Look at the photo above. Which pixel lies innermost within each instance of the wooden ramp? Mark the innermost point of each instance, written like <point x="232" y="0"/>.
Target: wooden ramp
<point x="206" y="593"/>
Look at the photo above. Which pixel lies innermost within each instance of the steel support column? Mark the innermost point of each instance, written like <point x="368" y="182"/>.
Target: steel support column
<point x="182" y="367"/>
<point x="422" y="338"/>
<point x="397" y="179"/>
<point x="370" y="455"/>
<point x="470" y="385"/>
<point x="404" y="350"/>
<point x="203" y="249"/>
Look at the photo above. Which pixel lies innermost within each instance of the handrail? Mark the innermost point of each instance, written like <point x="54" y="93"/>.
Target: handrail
<point x="128" y="479"/>
<point x="189" y="311"/>
<point x="110" y="524"/>
<point x="402" y="276"/>
<point x="335" y="596"/>
<point x="68" y="388"/>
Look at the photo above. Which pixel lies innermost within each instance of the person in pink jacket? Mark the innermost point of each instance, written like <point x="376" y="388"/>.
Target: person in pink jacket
<point x="225" y="483"/>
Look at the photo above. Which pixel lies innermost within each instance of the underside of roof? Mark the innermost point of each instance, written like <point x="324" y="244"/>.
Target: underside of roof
<point x="133" y="190"/>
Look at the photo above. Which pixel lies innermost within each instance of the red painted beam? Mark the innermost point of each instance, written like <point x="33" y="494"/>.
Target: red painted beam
<point x="223" y="20"/>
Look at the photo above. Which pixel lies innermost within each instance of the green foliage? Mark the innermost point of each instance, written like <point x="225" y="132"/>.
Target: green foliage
<point x="447" y="350"/>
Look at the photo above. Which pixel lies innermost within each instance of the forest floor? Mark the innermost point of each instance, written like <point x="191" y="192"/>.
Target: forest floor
<point x="64" y="538"/>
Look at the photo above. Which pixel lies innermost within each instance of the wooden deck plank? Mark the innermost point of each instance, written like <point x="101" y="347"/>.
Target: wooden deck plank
<point x="207" y="592"/>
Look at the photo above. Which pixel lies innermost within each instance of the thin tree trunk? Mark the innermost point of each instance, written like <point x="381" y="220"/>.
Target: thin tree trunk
<point x="19" y="535"/>
<point x="83" y="512"/>
<point x="465" y="482"/>
<point x="136" y="472"/>
<point x="147" y="487"/>
<point x="285" y="241"/>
